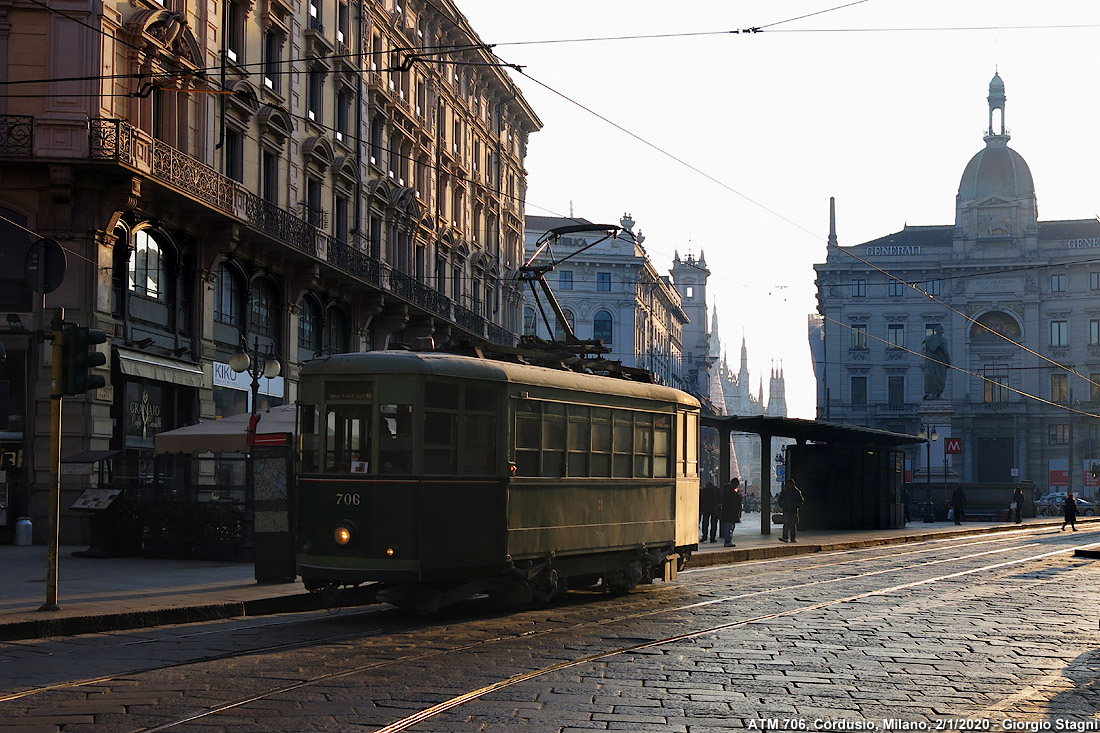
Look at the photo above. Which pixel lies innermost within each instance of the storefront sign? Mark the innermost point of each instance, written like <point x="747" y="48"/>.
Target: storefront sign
<point x="145" y="415"/>
<point x="226" y="377"/>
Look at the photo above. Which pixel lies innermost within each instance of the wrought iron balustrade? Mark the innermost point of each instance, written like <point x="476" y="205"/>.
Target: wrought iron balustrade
<point x="426" y="297"/>
<point x="279" y="223"/>
<point x="192" y="176"/>
<point x="500" y="335"/>
<point x="469" y="320"/>
<point x="16" y="134"/>
<point x="354" y="261"/>
<point x="111" y="140"/>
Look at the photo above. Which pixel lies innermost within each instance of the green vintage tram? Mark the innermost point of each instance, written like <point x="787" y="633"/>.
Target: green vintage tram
<point x="434" y="477"/>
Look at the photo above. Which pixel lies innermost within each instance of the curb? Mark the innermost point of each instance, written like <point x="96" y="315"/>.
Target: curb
<point x="304" y="602"/>
<point x="91" y="624"/>
<point x="725" y="557"/>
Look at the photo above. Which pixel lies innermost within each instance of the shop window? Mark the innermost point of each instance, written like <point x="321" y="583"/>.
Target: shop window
<point x="262" y="312"/>
<point x="337" y="334"/>
<point x="309" y="329"/>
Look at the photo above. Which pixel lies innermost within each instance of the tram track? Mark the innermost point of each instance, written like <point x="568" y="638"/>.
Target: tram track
<point x="874" y="555"/>
<point x="474" y="694"/>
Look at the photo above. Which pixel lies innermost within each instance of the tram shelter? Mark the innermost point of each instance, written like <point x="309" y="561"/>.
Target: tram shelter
<point x="851" y="476"/>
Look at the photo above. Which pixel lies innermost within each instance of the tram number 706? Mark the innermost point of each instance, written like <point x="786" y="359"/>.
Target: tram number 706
<point x="347" y="500"/>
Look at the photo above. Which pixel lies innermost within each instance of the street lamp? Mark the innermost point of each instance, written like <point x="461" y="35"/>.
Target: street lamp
<point x="929" y="435"/>
<point x="254" y="364"/>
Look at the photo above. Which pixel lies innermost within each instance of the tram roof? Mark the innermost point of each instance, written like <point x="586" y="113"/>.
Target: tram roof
<point x="809" y="430"/>
<point x="471" y="367"/>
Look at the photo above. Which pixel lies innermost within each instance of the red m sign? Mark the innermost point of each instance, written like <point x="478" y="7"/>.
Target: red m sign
<point x="953" y="445"/>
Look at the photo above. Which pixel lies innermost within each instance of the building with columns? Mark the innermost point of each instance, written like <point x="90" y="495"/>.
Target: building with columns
<point x="303" y="178"/>
<point x="613" y="292"/>
<point x="1018" y="388"/>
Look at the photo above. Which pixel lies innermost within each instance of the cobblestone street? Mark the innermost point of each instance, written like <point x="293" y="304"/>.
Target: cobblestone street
<point x="974" y="633"/>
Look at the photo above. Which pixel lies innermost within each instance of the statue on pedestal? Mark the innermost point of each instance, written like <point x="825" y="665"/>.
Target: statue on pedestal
<point x="935" y="364"/>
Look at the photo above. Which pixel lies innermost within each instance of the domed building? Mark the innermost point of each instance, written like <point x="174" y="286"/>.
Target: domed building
<point x="1011" y="330"/>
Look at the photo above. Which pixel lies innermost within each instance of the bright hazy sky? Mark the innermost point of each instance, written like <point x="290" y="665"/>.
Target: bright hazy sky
<point x="880" y="103"/>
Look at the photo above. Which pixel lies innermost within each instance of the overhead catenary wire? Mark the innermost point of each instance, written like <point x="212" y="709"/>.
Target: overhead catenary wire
<point x="673" y="157"/>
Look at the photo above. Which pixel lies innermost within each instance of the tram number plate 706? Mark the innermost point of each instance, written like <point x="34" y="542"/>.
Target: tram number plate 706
<point x="347" y="499"/>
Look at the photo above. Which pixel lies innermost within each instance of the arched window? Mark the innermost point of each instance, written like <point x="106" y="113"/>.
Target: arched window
<point x="228" y="297"/>
<point x="146" y="268"/>
<point x="528" y="321"/>
<point x="337" y="332"/>
<point x="601" y="326"/>
<point x="262" y="318"/>
<point x="309" y="328"/>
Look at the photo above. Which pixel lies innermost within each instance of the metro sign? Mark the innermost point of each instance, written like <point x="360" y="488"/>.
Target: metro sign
<point x="953" y="446"/>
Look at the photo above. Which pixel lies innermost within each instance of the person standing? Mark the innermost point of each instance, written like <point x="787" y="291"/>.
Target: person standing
<point x="1069" y="510"/>
<point x="1018" y="500"/>
<point x="731" y="510"/>
<point x="790" y="501"/>
<point x="958" y="504"/>
<point x="710" y="502"/>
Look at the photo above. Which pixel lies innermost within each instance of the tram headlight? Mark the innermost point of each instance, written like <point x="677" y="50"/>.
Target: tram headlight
<point x="392" y="551"/>
<point x="342" y="535"/>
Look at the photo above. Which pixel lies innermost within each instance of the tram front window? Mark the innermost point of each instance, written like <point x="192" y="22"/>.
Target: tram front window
<point x="396" y="439"/>
<point x="347" y="439"/>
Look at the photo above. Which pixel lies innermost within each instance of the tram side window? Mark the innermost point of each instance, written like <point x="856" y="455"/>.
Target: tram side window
<point x="662" y="445"/>
<point x="553" y="439"/>
<point x="347" y="439"/>
<point x="479" y="431"/>
<point x="643" y="444"/>
<point x="311" y="440"/>
<point x="689" y="444"/>
<point x="528" y="438"/>
<point x="578" y="440"/>
<point x="601" y="441"/>
<point x="395" y="440"/>
<point x="441" y="428"/>
<point x="622" y="434"/>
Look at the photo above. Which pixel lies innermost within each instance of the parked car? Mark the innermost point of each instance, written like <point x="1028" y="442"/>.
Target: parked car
<point x="1052" y="505"/>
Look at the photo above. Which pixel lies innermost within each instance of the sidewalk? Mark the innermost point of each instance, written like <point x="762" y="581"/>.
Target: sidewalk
<point x="105" y="594"/>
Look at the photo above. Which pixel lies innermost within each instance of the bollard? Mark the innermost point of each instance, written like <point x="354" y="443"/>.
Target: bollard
<point x="23" y="531"/>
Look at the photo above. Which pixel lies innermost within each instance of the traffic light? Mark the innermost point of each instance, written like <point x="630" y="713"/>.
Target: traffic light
<point x="1095" y="470"/>
<point x="80" y="357"/>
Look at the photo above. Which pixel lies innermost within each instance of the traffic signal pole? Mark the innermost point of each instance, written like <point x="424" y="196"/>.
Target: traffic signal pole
<point x="57" y="378"/>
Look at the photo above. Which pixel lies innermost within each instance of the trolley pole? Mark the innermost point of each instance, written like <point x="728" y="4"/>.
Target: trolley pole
<point x="54" y="508"/>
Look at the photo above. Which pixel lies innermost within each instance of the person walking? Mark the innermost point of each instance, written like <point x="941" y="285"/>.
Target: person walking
<point x="710" y="503"/>
<point x="1018" y="503"/>
<point x="1069" y="509"/>
<point x="731" y="510"/>
<point x="790" y="501"/>
<point x="958" y="504"/>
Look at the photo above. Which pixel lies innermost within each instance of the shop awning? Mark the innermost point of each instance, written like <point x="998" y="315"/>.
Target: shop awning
<point x="158" y="368"/>
<point x="230" y="434"/>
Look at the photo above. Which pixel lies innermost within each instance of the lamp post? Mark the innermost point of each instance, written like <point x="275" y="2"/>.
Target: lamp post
<point x="254" y="363"/>
<point x="929" y="435"/>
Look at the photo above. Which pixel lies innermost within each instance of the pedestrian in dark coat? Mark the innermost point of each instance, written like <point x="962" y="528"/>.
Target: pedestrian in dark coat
<point x="1069" y="509"/>
<point x="1018" y="500"/>
<point x="731" y="510"/>
<point x="790" y="501"/>
<point x="958" y="504"/>
<point x="710" y="503"/>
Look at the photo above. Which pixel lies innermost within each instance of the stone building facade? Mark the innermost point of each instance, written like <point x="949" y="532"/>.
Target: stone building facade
<point x="301" y="178"/>
<point x="1016" y="298"/>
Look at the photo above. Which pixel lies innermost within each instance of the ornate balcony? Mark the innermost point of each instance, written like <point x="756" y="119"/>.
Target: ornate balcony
<point x="118" y="141"/>
<point x="16" y="134"/>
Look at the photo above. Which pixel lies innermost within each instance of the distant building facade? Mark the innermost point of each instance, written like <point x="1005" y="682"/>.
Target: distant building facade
<point x="1013" y="412"/>
<point x="612" y="292"/>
